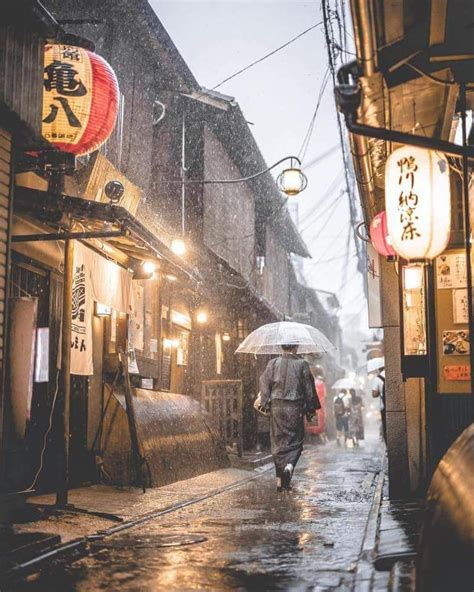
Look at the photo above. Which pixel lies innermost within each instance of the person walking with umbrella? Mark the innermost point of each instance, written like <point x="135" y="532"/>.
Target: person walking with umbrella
<point x="287" y="388"/>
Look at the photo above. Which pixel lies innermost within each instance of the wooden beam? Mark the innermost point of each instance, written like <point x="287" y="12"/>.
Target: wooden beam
<point x="438" y="21"/>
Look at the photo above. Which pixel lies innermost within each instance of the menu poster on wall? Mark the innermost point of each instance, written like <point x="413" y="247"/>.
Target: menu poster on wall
<point x="460" y="306"/>
<point x="458" y="372"/>
<point x="451" y="271"/>
<point x="456" y="343"/>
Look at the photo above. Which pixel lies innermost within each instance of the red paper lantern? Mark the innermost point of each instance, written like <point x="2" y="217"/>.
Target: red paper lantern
<point x="80" y="99"/>
<point x="379" y="236"/>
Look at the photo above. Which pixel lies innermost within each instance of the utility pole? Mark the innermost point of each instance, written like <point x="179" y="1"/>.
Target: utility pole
<point x="65" y="384"/>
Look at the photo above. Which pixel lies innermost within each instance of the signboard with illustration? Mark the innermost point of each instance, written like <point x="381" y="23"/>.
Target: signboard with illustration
<point x="456" y="343"/>
<point x="452" y="327"/>
<point x="451" y="271"/>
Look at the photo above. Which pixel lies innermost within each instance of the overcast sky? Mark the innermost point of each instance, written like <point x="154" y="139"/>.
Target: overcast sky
<point x="278" y="96"/>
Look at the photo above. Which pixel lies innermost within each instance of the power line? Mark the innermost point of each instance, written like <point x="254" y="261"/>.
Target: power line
<point x="329" y="246"/>
<point x="266" y="56"/>
<point x="322" y="156"/>
<point x="309" y="216"/>
<point x="315" y="264"/>
<point x="309" y="132"/>
<point x="330" y="210"/>
<point x="331" y="47"/>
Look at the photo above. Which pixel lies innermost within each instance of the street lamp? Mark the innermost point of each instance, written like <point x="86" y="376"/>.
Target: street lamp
<point x="291" y="180"/>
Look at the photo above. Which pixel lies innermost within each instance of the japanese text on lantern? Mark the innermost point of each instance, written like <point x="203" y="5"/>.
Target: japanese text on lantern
<point x="66" y="104"/>
<point x="408" y="200"/>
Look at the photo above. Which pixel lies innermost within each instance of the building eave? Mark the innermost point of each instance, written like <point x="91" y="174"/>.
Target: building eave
<point x="228" y="123"/>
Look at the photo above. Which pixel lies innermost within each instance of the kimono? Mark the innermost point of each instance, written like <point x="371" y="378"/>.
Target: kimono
<point x="287" y="387"/>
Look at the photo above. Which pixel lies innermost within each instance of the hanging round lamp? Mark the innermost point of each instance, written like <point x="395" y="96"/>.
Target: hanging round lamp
<point x="292" y="181"/>
<point x="80" y="99"/>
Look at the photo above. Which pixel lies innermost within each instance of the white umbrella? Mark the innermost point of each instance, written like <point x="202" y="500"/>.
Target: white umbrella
<point x="375" y="364"/>
<point x="345" y="383"/>
<point x="268" y="339"/>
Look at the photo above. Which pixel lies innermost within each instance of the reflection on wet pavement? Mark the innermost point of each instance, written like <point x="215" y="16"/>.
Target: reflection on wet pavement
<point x="253" y="538"/>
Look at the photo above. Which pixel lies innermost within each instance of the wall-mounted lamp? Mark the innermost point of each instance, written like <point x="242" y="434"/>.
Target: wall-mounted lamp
<point x="149" y="267"/>
<point x="291" y="180"/>
<point x="226" y="337"/>
<point x="202" y="317"/>
<point x="178" y="246"/>
<point x="414" y="321"/>
<point x="145" y="270"/>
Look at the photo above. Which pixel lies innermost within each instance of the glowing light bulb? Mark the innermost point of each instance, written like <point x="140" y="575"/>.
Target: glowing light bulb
<point x="201" y="317"/>
<point x="149" y="267"/>
<point x="178" y="246"/>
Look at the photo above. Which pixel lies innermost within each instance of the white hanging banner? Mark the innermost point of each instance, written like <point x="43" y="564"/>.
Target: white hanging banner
<point x="373" y="288"/>
<point x="82" y="306"/>
<point x="111" y="284"/>
<point x="94" y="279"/>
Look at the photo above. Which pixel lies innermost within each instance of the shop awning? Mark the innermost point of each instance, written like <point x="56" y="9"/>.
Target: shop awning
<point x="127" y="239"/>
<point x="411" y="58"/>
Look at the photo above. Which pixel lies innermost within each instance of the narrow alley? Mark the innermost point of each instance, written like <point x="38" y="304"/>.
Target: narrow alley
<point x="247" y="538"/>
<point x="231" y="230"/>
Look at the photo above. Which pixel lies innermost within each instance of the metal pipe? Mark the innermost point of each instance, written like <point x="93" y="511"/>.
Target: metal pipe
<point x="405" y="138"/>
<point x="183" y="173"/>
<point x="243" y="179"/>
<point x="364" y="174"/>
<point x="23" y="238"/>
<point x="467" y="221"/>
<point x="62" y="488"/>
<point x="364" y="35"/>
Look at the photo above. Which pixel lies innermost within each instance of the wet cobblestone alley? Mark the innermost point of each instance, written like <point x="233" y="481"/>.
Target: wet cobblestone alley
<point x="249" y="538"/>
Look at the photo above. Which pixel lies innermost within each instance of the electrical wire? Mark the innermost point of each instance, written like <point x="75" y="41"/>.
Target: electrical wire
<point x="309" y="132"/>
<point x="266" y="56"/>
<point x="333" y="259"/>
<point x="331" y="206"/>
<point x="434" y="79"/>
<point x="321" y="157"/>
<point x="46" y="434"/>
<point x="332" y="58"/>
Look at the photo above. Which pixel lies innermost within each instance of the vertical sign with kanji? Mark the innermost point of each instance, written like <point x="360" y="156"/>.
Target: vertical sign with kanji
<point x="82" y="303"/>
<point x="67" y="93"/>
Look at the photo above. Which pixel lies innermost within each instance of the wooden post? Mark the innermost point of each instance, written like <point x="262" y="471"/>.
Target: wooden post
<point x="62" y="488"/>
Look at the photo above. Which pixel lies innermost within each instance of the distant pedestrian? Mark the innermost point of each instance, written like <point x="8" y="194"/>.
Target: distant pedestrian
<point x="287" y="388"/>
<point x="339" y="411"/>
<point x="347" y="400"/>
<point x="378" y="391"/>
<point x="356" y="419"/>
